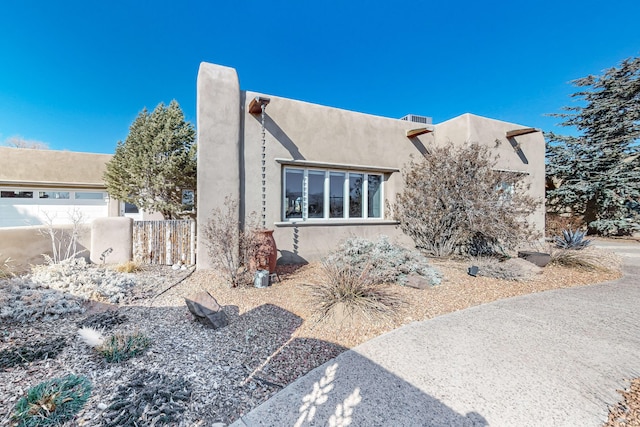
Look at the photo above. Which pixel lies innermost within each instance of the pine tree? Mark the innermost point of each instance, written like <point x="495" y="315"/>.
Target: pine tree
<point x="596" y="174"/>
<point x="156" y="162"/>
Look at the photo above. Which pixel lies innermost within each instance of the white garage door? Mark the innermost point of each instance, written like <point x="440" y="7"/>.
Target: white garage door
<point x="34" y="206"/>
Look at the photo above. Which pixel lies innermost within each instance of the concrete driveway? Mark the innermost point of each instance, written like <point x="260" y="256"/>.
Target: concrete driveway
<point x="554" y="358"/>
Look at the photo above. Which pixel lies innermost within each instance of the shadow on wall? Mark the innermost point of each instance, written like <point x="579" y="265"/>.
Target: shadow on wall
<point x="419" y="145"/>
<point x="518" y="150"/>
<point x="276" y="131"/>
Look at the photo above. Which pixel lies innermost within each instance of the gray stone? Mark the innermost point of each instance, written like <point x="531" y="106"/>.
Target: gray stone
<point x="206" y="310"/>
<point x="538" y="258"/>
<point x="418" y="282"/>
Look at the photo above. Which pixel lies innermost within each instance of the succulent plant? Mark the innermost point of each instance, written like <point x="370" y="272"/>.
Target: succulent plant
<point x="572" y="240"/>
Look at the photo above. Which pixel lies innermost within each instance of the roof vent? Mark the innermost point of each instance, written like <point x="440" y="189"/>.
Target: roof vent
<point x="417" y="119"/>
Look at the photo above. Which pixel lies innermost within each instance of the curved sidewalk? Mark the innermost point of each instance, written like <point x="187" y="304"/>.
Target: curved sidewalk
<point x="554" y="358"/>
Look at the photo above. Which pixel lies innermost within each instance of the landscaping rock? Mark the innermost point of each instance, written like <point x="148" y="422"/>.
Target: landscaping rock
<point x="418" y="282"/>
<point x="540" y="259"/>
<point x="206" y="310"/>
<point x="525" y="265"/>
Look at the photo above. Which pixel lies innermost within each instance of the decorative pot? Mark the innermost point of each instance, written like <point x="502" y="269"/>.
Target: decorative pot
<point x="266" y="254"/>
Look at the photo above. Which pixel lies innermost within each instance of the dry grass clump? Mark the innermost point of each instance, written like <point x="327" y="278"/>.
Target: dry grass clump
<point x="128" y="267"/>
<point x="588" y="259"/>
<point x="52" y="402"/>
<point x="6" y="267"/>
<point x="346" y="292"/>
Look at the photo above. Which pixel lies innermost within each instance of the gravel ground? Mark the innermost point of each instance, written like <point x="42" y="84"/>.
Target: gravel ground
<point x="269" y="342"/>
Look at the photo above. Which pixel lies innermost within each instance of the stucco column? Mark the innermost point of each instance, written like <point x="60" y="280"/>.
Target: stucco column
<point x="218" y="127"/>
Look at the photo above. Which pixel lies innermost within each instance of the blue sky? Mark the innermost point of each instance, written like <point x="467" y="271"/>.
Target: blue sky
<point x="75" y="74"/>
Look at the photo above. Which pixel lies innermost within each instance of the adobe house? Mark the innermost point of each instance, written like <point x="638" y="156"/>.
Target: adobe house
<point x="327" y="172"/>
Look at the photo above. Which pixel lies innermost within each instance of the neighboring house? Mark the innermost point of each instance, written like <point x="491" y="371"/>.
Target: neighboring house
<point x="42" y="186"/>
<point x="328" y="173"/>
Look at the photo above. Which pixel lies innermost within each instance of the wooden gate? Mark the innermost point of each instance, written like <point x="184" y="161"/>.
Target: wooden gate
<point x="164" y="242"/>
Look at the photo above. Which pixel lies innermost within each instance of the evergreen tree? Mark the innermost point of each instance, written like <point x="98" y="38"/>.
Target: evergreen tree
<point x="156" y="162"/>
<point x="596" y="174"/>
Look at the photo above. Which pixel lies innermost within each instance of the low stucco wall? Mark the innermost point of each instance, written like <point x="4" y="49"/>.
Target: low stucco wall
<point x="111" y="240"/>
<point x="26" y="245"/>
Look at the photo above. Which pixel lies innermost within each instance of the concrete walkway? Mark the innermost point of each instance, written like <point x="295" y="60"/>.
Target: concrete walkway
<point x="554" y="358"/>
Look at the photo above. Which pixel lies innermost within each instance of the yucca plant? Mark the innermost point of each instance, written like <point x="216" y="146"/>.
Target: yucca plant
<point x="572" y="240"/>
<point x="52" y="402"/>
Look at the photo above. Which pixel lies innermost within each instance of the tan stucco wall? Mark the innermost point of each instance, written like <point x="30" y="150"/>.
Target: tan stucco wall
<point x="218" y="127"/>
<point x="229" y="156"/>
<point x="112" y="237"/>
<point x="26" y="245"/>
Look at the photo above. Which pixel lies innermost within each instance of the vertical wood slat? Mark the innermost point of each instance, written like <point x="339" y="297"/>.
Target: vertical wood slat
<point x="164" y="242"/>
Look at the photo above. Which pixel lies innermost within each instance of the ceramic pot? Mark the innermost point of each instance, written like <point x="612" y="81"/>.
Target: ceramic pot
<point x="266" y="254"/>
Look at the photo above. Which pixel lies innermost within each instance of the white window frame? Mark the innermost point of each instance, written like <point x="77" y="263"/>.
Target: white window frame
<point x="326" y="197"/>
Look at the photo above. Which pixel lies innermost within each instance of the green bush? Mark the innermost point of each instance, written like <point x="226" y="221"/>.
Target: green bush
<point x="382" y="261"/>
<point x="52" y="402"/>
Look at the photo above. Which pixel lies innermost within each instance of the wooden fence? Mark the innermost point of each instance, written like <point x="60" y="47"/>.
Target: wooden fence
<point x="164" y="242"/>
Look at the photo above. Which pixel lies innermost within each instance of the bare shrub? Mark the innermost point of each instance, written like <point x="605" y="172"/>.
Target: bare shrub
<point x="383" y="261"/>
<point x="231" y="248"/>
<point x="354" y="292"/>
<point x="64" y="241"/>
<point x="453" y="196"/>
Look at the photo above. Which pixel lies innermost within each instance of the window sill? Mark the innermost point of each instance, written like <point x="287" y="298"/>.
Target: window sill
<point x="338" y="222"/>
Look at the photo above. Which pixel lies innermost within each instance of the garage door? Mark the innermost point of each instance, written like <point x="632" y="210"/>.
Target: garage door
<point x="37" y="206"/>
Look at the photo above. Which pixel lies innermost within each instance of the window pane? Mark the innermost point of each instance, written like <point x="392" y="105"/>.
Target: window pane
<point x="336" y="195"/>
<point x="16" y="194"/>
<point x="374" y="196"/>
<point x="355" y="195"/>
<point x="85" y="195"/>
<point x="130" y="208"/>
<point x="316" y="194"/>
<point x="293" y="193"/>
<point x="53" y="195"/>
